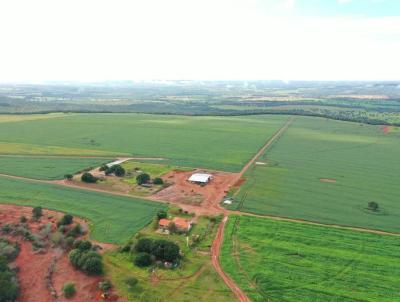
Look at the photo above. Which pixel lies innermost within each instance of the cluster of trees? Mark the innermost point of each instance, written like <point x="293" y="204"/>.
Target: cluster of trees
<point x="144" y="178"/>
<point x="86" y="258"/>
<point x="150" y="250"/>
<point x="9" y="288"/>
<point x="117" y="170"/>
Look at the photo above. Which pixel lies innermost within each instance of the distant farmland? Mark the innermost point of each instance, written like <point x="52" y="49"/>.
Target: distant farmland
<point x="46" y="167"/>
<point x="328" y="171"/>
<point x="222" y="143"/>
<point x="282" y="261"/>
<point x="113" y="218"/>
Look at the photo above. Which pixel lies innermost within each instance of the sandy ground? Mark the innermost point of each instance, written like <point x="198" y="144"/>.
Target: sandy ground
<point x="34" y="268"/>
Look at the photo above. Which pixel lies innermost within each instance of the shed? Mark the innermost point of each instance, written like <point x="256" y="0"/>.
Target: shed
<point x="200" y="178"/>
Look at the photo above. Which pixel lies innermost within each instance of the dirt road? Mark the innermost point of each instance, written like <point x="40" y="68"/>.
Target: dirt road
<point x="215" y="250"/>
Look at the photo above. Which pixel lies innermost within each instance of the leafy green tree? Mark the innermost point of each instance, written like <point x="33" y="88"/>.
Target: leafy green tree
<point x="131" y="281"/>
<point x="143" y="259"/>
<point x="162" y="214"/>
<point x="158" y="181"/>
<point x="372" y="205"/>
<point x="37" y="213"/>
<point x="144" y="245"/>
<point x="142" y="178"/>
<point x="82" y="245"/>
<point x="66" y="220"/>
<point x="119" y="171"/>
<point x="68" y="176"/>
<point x="88" y="177"/>
<point x="165" y="250"/>
<point x="68" y="290"/>
<point x="105" y="285"/>
<point x="74" y="257"/>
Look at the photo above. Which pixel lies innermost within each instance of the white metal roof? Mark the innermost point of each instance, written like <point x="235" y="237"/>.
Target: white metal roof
<point x="117" y="162"/>
<point x="200" y="177"/>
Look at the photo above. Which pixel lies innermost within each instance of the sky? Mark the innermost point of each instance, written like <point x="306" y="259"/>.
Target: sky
<point x="97" y="40"/>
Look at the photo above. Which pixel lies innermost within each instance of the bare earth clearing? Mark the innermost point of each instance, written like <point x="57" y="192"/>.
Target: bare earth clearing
<point x="35" y="267"/>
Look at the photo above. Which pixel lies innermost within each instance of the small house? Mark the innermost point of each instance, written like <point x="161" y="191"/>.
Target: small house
<point x="182" y="224"/>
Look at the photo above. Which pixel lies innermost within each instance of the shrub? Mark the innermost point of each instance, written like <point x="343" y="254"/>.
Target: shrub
<point x="144" y="245"/>
<point x="162" y="214"/>
<point x="142" y="178"/>
<point x="158" y="181"/>
<point x="37" y="212"/>
<point x="8" y="285"/>
<point x="69" y="241"/>
<point x="119" y="171"/>
<point x="74" y="257"/>
<point x="103" y="168"/>
<point x="143" y="259"/>
<point x="165" y="250"/>
<point x="373" y="206"/>
<point x="66" y="220"/>
<point x="105" y="285"/>
<point x="82" y="245"/>
<point x="23" y="219"/>
<point x="131" y="281"/>
<point x="89" y="262"/>
<point x="8" y="250"/>
<point x="88" y="177"/>
<point x="68" y="290"/>
<point x="75" y="231"/>
<point x="68" y="176"/>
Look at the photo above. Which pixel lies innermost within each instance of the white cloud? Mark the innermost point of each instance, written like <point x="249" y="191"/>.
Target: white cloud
<point x="185" y="39"/>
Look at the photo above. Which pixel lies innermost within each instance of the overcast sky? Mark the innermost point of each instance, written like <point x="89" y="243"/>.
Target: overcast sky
<point x="92" y="40"/>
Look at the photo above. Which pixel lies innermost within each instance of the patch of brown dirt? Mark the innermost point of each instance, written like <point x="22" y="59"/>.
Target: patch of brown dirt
<point x="239" y="182"/>
<point x="331" y="180"/>
<point x="193" y="197"/>
<point x="386" y="129"/>
<point x="34" y="267"/>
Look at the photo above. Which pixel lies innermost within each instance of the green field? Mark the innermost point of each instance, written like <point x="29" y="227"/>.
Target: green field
<point x="46" y="167"/>
<point x="282" y="261"/>
<point x="327" y="171"/>
<point x="229" y="142"/>
<point x="112" y="218"/>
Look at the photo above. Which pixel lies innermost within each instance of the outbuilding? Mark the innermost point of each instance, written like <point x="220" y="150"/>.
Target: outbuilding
<point x="201" y="178"/>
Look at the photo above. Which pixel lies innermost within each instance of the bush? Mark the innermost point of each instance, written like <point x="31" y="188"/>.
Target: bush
<point x="158" y="181"/>
<point x="119" y="171"/>
<point x="162" y="214"/>
<point x="75" y="231"/>
<point x="89" y="262"/>
<point x="103" y="168"/>
<point x="143" y="259"/>
<point x="144" y="245"/>
<point x="23" y="219"/>
<point x="88" y="177"/>
<point x="74" y="257"/>
<point x="8" y="250"/>
<point x="66" y="220"/>
<point x="105" y="285"/>
<point x="165" y="250"/>
<point x="68" y="176"/>
<point x="142" y="178"/>
<point x="69" y="290"/>
<point x="37" y="212"/>
<point x="131" y="281"/>
<point x="373" y="206"/>
<point x="82" y="245"/>
<point x="8" y="285"/>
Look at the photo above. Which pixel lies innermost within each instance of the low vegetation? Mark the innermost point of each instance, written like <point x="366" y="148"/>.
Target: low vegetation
<point x="85" y="257"/>
<point x="9" y="288"/>
<point x="69" y="290"/>
<point x="112" y="218"/>
<point x="330" y="172"/>
<point x="283" y="261"/>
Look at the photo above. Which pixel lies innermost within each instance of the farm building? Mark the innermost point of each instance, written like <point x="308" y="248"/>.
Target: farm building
<point x="201" y="178"/>
<point x="182" y="224"/>
<point x="116" y="162"/>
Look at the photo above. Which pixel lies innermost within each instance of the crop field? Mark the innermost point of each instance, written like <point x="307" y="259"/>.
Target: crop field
<point x="221" y="143"/>
<point x="113" y="219"/>
<point x="283" y="261"/>
<point x="328" y="171"/>
<point x="47" y="168"/>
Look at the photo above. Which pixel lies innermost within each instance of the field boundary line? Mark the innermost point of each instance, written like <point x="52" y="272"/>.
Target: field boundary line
<point x="309" y="222"/>
<point x="215" y="251"/>
<point x="265" y="146"/>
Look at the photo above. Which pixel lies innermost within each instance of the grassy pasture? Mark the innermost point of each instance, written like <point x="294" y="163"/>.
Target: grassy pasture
<point x="222" y="143"/>
<point x="194" y="279"/>
<point x="327" y="171"/>
<point x="48" y="168"/>
<point x="113" y="219"/>
<point x="282" y="261"/>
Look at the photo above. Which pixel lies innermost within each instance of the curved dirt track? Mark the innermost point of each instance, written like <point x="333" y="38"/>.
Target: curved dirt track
<point x="215" y="250"/>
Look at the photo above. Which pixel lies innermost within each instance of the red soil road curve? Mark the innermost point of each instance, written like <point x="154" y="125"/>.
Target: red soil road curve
<point x="215" y="251"/>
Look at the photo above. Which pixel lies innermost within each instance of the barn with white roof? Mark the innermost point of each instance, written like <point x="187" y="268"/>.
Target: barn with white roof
<point x="201" y="178"/>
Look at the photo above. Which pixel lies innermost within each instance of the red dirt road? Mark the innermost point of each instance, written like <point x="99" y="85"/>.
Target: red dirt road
<point x="215" y="250"/>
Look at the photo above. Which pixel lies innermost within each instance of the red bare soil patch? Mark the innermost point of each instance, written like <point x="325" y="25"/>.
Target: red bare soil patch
<point x="239" y="182"/>
<point x="386" y="129"/>
<point x="193" y="197"/>
<point x="34" y="267"/>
